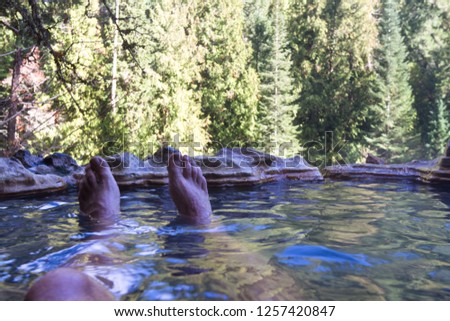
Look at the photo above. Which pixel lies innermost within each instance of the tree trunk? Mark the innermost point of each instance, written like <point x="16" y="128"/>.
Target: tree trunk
<point x="14" y="100"/>
<point x="114" y="68"/>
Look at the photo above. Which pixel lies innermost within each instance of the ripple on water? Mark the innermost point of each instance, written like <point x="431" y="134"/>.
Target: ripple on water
<point x="162" y="291"/>
<point x="405" y="256"/>
<point x="51" y="205"/>
<point x="304" y="255"/>
<point x="441" y="275"/>
<point x="5" y="267"/>
<point x="146" y="249"/>
<point x="53" y="260"/>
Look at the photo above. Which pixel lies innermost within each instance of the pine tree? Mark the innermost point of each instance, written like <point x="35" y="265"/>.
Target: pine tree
<point x="395" y="110"/>
<point x="425" y="86"/>
<point x="439" y="128"/>
<point x="228" y="84"/>
<point x="159" y="96"/>
<point x="258" y="31"/>
<point x="332" y="43"/>
<point x="426" y="29"/>
<point x="271" y="59"/>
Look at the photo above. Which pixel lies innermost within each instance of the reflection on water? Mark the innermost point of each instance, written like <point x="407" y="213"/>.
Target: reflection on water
<point x="308" y="254"/>
<point x="285" y="240"/>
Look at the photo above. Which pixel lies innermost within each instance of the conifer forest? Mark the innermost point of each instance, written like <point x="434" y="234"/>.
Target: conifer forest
<point x="307" y="77"/>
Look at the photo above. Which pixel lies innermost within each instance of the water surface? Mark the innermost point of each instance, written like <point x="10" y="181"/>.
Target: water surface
<point x="286" y="240"/>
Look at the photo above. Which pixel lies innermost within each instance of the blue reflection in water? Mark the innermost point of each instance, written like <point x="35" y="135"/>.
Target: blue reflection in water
<point x="54" y="260"/>
<point x="405" y="255"/>
<point x="309" y="254"/>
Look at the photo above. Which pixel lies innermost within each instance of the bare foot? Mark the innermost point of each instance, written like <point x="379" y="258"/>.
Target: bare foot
<point x="189" y="191"/>
<point x="99" y="195"/>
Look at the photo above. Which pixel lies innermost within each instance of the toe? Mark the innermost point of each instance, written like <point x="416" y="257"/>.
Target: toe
<point x="90" y="178"/>
<point x="198" y="175"/>
<point x="174" y="165"/>
<point x="100" y="167"/>
<point x="187" y="169"/>
<point x="84" y="190"/>
<point x="192" y="161"/>
<point x="201" y="180"/>
<point x="204" y="185"/>
<point x="194" y="173"/>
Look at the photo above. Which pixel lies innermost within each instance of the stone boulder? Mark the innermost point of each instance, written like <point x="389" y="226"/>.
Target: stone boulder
<point x="16" y="180"/>
<point x="27" y="159"/>
<point x="161" y="157"/>
<point x="129" y="170"/>
<point x="59" y="164"/>
<point x="62" y="163"/>
<point x="442" y="173"/>
<point x="372" y="159"/>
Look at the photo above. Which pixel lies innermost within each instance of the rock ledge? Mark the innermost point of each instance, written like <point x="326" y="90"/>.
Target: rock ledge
<point x="436" y="171"/>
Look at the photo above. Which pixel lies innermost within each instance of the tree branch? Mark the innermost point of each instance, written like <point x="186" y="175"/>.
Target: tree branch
<point x="34" y="105"/>
<point x="8" y="25"/>
<point x="14" y="100"/>
<point x="14" y="51"/>
<point x="121" y="33"/>
<point x="8" y="53"/>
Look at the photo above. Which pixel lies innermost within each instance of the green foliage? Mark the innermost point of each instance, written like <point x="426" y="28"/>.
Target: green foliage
<point x="271" y="58"/>
<point x="7" y="44"/>
<point x="439" y="126"/>
<point x="332" y="43"/>
<point x="427" y="36"/>
<point x="394" y="131"/>
<point x="201" y="75"/>
<point x="228" y="85"/>
<point x="83" y="103"/>
<point x="159" y="96"/>
<point x="156" y="103"/>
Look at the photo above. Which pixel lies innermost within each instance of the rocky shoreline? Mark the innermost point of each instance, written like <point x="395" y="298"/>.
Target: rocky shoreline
<point x="26" y="174"/>
<point x="436" y="171"/>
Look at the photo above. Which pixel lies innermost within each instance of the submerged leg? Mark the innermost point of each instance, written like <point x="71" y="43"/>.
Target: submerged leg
<point x="99" y="200"/>
<point x="99" y="195"/>
<point x="67" y="284"/>
<point x="188" y="189"/>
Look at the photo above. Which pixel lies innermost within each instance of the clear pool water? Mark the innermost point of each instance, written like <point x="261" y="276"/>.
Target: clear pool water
<point x="285" y="240"/>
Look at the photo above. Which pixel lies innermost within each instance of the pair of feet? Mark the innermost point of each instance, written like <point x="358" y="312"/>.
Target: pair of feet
<point x="99" y="195"/>
<point x="99" y="199"/>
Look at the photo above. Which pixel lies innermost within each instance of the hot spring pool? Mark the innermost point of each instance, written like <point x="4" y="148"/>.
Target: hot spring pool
<point x="285" y="240"/>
